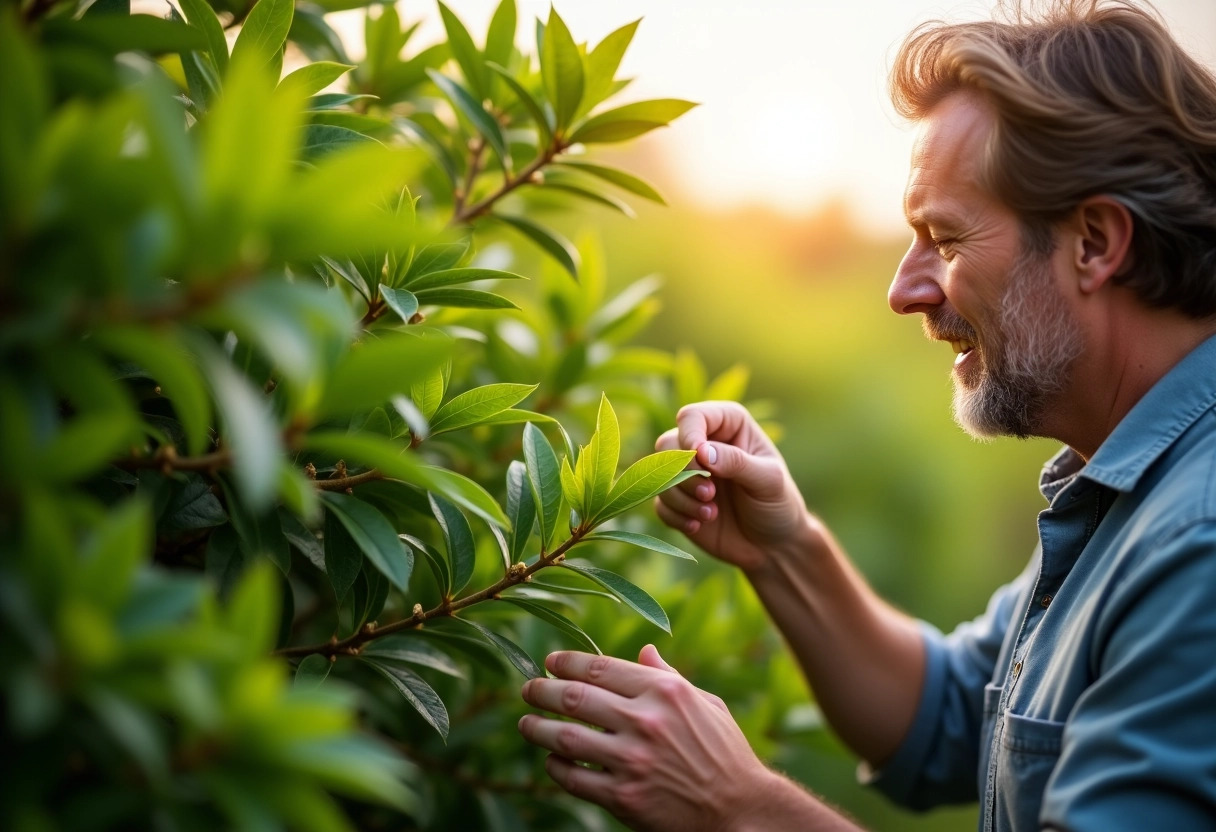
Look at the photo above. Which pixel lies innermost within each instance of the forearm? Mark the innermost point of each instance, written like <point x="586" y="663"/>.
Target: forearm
<point x="863" y="659"/>
<point x="784" y="805"/>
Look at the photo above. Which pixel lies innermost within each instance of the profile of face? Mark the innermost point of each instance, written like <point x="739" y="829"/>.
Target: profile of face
<point x="979" y="283"/>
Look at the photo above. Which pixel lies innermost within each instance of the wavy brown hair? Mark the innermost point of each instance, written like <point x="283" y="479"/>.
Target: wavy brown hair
<point x="1090" y="97"/>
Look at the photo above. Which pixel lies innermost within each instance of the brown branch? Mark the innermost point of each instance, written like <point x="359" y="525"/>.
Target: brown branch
<point x="353" y="645"/>
<point x="466" y="214"/>
<point x="477" y="149"/>
<point x="166" y="460"/>
<point x="343" y="483"/>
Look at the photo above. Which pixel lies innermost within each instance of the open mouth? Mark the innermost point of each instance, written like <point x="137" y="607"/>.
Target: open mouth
<point x="961" y="350"/>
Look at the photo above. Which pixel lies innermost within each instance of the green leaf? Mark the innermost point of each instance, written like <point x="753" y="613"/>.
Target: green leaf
<point x="550" y="242"/>
<point x="378" y="369"/>
<point x="478" y="404"/>
<point x="435" y="560"/>
<point x="224" y="560"/>
<point x="602" y="64"/>
<point x="192" y="507"/>
<point x="452" y="277"/>
<point x="333" y="100"/>
<point x="458" y="538"/>
<point x="516" y="416"/>
<point x="463" y="299"/>
<point x="464" y="492"/>
<point x="601" y="457"/>
<point x="500" y="40"/>
<point x="415" y="651"/>
<point x="472" y="109"/>
<point x="435" y="257"/>
<point x="253" y="611"/>
<point x="322" y="139"/>
<point x="264" y="31"/>
<point x="619" y="178"/>
<point x="545" y="480"/>
<point x="311" y="671"/>
<point x="310" y="79"/>
<point x="374" y="536"/>
<point x="565" y="589"/>
<point x="539" y="118"/>
<point x="315" y="37"/>
<point x="400" y="301"/>
<point x="113" y="33"/>
<point x="558" y="620"/>
<point x="561" y="69"/>
<point x="416" y="691"/>
<point x="553" y="183"/>
<point x="472" y="65"/>
<point x="632" y="595"/>
<point x="202" y="16"/>
<point x="301" y="537"/>
<point x="173" y="368"/>
<point x="514" y="653"/>
<point x="347" y="271"/>
<point x="643" y="480"/>
<point x="259" y="531"/>
<point x="636" y="539"/>
<point x="630" y="120"/>
<point x="573" y="487"/>
<point x="521" y="510"/>
<point x="122" y="542"/>
<point x="427" y="395"/>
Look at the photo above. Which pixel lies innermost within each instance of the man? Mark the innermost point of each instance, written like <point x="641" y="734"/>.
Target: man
<point x="1063" y="203"/>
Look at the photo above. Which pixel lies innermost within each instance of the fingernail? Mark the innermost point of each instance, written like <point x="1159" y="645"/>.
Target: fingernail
<point x="706" y="512"/>
<point x="520" y="724"/>
<point x="711" y="453"/>
<point x="691" y="527"/>
<point x="703" y="492"/>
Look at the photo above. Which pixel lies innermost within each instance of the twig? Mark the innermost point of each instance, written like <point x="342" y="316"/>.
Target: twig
<point x="353" y="645"/>
<point x="343" y="483"/>
<point x="166" y="460"/>
<point x="465" y="214"/>
<point x="477" y="149"/>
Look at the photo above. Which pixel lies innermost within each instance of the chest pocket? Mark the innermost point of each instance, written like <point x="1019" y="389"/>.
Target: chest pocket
<point x="1026" y="751"/>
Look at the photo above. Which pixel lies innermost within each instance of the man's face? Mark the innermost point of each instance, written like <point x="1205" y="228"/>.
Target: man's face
<point x="978" y="283"/>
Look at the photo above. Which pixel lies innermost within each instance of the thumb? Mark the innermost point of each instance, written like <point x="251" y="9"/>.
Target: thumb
<point x="649" y="656"/>
<point x="760" y="476"/>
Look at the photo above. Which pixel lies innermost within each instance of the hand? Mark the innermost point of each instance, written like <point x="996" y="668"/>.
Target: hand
<point x="672" y="757"/>
<point x="749" y="504"/>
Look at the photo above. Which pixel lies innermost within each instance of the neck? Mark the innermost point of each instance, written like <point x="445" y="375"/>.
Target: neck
<point x="1127" y="351"/>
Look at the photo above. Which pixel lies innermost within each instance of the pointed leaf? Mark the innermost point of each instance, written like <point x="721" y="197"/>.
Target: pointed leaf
<point x="458" y="537"/>
<point x="558" y="620"/>
<point x="347" y="271"/>
<point x="602" y="64"/>
<point x="435" y="560"/>
<point x="643" y="480"/>
<point x="311" y="671"/>
<point x="565" y="589"/>
<point x="472" y="109"/>
<point x="561" y="68"/>
<point x="632" y="595"/>
<point x="434" y="258"/>
<point x="573" y="487"/>
<point x="601" y="457"/>
<point x="323" y="139"/>
<point x="500" y="40"/>
<point x="428" y="394"/>
<point x="545" y="480"/>
<point x="478" y="404"/>
<point x="400" y="301"/>
<point x="521" y="509"/>
<point x="514" y="653"/>
<point x="539" y="118"/>
<point x="463" y="299"/>
<point x="453" y="277"/>
<point x="374" y="535"/>
<point x="413" y="650"/>
<point x="464" y="492"/>
<point x="264" y="31"/>
<point x="636" y="539"/>
<point x="343" y="558"/>
<point x="608" y="125"/>
<point x="301" y="537"/>
<point x="516" y="416"/>
<point x="619" y="178"/>
<point x="310" y="79"/>
<point x="472" y="65"/>
<point x="200" y="15"/>
<point x="554" y="245"/>
<point x="607" y="200"/>
<point x="416" y="691"/>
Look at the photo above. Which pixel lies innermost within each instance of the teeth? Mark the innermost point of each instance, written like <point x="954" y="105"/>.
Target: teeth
<point x="961" y="347"/>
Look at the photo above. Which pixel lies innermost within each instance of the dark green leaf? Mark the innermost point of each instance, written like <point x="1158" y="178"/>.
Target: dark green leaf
<point x="435" y="560"/>
<point x="416" y="691"/>
<point x="315" y="36"/>
<point x="458" y="538"/>
<point x="378" y="369"/>
<point x="414" y="650"/>
<point x="400" y="301"/>
<point x="514" y="653"/>
<point x="201" y="16"/>
<point x="264" y="31"/>
<point x="463" y="492"/>
<point x="347" y="271"/>
<point x="565" y="589"/>
<point x="539" y="118"/>
<point x="301" y="537"/>
<point x="558" y="620"/>
<point x="472" y="65"/>
<point x="343" y="558"/>
<point x="311" y="671"/>
<point x="259" y="531"/>
<point x="555" y="246"/>
<point x="121" y="33"/>
<point x="636" y="539"/>
<point x="478" y="404"/>
<point x="545" y="480"/>
<point x="629" y="593"/>
<point x="374" y="535"/>
<point x="320" y="139"/>
<point x="472" y="109"/>
<point x="435" y="258"/>
<point x="463" y="299"/>
<point x="521" y="509"/>
<point x="561" y="68"/>
<point x="619" y="178"/>
<point x="193" y="507"/>
<point x="453" y="277"/>
<point x="225" y="559"/>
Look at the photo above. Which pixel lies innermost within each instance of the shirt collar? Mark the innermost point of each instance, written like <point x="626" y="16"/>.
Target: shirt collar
<point x="1171" y="406"/>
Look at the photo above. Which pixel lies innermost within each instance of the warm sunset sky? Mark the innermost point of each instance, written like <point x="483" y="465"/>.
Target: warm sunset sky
<point x="794" y="109"/>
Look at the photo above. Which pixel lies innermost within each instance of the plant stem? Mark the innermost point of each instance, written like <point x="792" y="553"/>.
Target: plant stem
<point x="166" y="459"/>
<point x="343" y="483"/>
<point x="476" y="150"/>
<point x="353" y="645"/>
<point x="466" y="214"/>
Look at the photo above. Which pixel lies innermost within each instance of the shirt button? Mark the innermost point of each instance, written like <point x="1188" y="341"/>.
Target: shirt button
<point x="1017" y="670"/>
<point x="1045" y="601"/>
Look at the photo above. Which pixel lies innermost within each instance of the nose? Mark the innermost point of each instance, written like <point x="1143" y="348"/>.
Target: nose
<point x="916" y="286"/>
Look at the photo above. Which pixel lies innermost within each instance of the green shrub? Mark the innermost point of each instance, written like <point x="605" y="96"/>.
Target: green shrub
<point x="272" y="402"/>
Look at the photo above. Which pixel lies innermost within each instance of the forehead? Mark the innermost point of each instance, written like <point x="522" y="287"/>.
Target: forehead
<point x="946" y="159"/>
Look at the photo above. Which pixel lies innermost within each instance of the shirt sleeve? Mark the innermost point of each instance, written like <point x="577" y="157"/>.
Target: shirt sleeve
<point x="938" y="759"/>
<point x="1139" y="749"/>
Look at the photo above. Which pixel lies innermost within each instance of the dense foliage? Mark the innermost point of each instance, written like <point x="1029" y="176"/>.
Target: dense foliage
<point x="260" y="407"/>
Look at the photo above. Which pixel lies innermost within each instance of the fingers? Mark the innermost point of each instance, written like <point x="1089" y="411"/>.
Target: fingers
<point x="572" y="740"/>
<point x="675" y="520"/>
<point x="583" y="783"/>
<point x="616" y="675"/>
<point x="697" y="423"/>
<point x="577" y="699"/>
<point x="682" y="503"/>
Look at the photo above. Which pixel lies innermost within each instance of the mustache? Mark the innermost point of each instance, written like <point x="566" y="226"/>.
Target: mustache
<point x="944" y="324"/>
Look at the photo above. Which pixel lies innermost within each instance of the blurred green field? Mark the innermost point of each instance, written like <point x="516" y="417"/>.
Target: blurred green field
<point x="935" y="520"/>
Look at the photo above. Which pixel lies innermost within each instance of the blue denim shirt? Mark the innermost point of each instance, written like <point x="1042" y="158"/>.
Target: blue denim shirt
<point x="1084" y="698"/>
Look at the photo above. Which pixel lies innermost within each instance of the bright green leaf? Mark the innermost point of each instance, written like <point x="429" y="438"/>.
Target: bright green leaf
<point x="623" y="180"/>
<point x="600" y="458"/>
<point x="202" y="16"/>
<point x="378" y="369"/>
<point x="463" y="299"/>
<point x="264" y="31"/>
<point x="452" y="277"/>
<point x="539" y="118"/>
<point x="472" y="109"/>
<point x="630" y="120"/>
<point x="544" y="476"/>
<point x="602" y="64"/>
<point x="521" y="510"/>
<point x="310" y="79"/>
<point x="550" y="242"/>
<point x="478" y="404"/>
<point x="635" y="539"/>
<point x="644" y="479"/>
<point x="561" y="68"/>
<point x="466" y="53"/>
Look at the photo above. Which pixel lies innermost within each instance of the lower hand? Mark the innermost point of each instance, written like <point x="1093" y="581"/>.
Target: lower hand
<point x="670" y="758"/>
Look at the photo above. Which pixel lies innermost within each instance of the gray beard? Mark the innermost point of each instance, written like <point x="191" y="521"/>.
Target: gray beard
<point x="1029" y="359"/>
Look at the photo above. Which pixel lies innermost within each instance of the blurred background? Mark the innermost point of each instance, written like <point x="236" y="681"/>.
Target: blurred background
<point x="782" y="232"/>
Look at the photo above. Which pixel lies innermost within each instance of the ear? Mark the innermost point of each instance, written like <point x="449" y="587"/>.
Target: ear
<point x="1102" y="248"/>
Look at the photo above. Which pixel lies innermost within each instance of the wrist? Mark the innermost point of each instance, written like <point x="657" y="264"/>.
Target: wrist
<point x="809" y="543"/>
